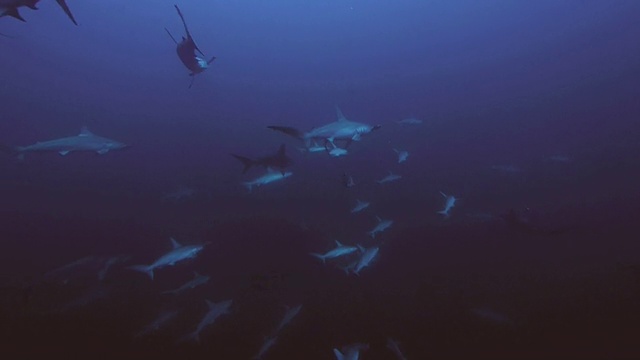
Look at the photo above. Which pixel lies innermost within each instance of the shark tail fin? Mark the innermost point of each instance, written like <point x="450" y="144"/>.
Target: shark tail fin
<point x="319" y="256"/>
<point x="287" y="130"/>
<point x="144" y="269"/>
<point x="13" y="12"/>
<point x="338" y="354"/>
<point x="248" y="163"/>
<point x="444" y="213"/>
<point x="65" y="8"/>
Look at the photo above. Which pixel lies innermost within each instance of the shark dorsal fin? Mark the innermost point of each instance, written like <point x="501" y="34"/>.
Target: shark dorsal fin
<point x="85" y="132"/>
<point x="210" y="304"/>
<point x="340" y="115"/>
<point x="175" y="243"/>
<point x="338" y="243"/>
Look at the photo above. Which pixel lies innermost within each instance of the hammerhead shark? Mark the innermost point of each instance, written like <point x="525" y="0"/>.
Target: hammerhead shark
<point x="187" y="49"/>
<point x="279" y="160"/>
<point x="341" y="129"/>
<point x="10" y="8"/>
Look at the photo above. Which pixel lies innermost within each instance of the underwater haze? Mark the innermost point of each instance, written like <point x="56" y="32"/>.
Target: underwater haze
<point x="307" y="179"/>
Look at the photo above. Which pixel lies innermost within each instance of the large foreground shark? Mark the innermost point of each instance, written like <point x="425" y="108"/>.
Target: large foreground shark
<point x="342" y="129"/>
<point x="187" y="49"/>
<point x="85" y="141"/>
<point x="10" y="8"/>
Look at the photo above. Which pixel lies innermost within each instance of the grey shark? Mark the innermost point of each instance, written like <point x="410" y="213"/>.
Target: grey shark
<point x="394" y="347"/>
<point x="187" y="51"/>
<point x="288" y="316"/>
<point x="177" y="254"/>
<point x="279" y="160"/>
<point x="195" y="282"/>
<point x="85" y="141"/>
<point x="449" y="203"/>
<point x="342" y="129"/>
<point x="380" y="227"/>
<point x="215" y="311"/>
<point x="367" y="257"/>
<point x="402" y="155"/>
<point x="389" y="178"/>
<point x="338" y="251"/>
<point x="267" y="178"/>
<point x="11" y="8"/>
<point x="162" y="319"/>
<point x="409" y="121"/>
<point x="351" y="352"/>
<point x="360" y="205"/>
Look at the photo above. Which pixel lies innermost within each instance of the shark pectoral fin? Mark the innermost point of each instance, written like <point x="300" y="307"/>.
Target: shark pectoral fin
<point x="174" y="243"/>
<point x="64" y="152"/>
<point x="356" y="137"/>
<point x="102" y="151"/>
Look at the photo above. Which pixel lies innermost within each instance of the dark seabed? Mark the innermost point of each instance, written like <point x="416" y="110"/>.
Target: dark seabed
<point x="529" y="115"/>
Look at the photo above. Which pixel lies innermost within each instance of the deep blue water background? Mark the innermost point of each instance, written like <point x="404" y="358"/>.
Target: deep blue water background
<point x="496" y="83"/>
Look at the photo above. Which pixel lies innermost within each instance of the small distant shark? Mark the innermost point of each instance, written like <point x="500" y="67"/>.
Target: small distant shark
<point x="351" y="352"/>
<point x="186" y="50"/>
<point x="268" y="344"/>
<point x="336" y="151"/>
<point x="389" y="178"/>
<point x="279" y="161"/>
<point x="85" y="141"/>
<point x="343" y="129"/>
<point x="269" y="177"/>
<point x="10" y="8"/>
<point x="409" y="121"/>
<point x="380" y="227"/>
<point x="402" y="155"/>
<point x="102" y="274"/>
<point x="177" y="254"/>
<point x="288" y="316"/>
<point x="394" y="347"/>
<point x="367" y="257"/>
<point x="449" y="203"/>
<point x="162" y="319"/>
<point x="347" y="180"/>
<point x="215" y="311"/>
<point x="196" y="281"/>
<point x="360" y="205"/>
<point x="338" y="251"/>
<point x="183" y="192"/>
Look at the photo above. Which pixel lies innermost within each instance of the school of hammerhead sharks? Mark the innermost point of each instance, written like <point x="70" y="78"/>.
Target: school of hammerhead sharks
<point x="333" y="138"/>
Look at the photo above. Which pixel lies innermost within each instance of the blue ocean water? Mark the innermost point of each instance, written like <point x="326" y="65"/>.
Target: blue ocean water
<point x="527" y="114"/>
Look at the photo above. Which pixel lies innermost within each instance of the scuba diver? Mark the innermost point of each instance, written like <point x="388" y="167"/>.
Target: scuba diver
<point x="187" y="49"/>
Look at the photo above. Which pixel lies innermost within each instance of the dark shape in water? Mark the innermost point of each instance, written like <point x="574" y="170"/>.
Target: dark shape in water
<point x="186" y="50"/>
<point x="347" y="180"/>
<point x="10" y="8"/>
<point x="279" y="161"/>
<point x="522" y="222"/>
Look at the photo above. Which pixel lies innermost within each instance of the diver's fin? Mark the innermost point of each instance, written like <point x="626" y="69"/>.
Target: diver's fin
<point x="13" y="12"/>
<point x="65" y="8"/>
